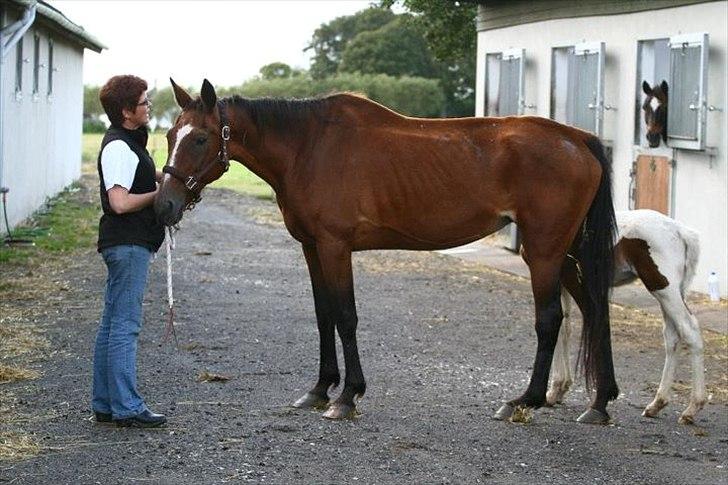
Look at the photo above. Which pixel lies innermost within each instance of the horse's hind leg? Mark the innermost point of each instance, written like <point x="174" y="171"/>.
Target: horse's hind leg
<point x="328" y="367"/>
<point x="679" y="325"/>
<point x="546" y="292"/>
<point x="561" y="378"/>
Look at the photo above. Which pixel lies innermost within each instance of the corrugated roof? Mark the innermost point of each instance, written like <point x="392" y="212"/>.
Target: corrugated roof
<point x="54" y="19"/>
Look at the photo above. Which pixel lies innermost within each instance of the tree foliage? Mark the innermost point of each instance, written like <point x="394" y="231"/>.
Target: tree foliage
<point x="449" y="29"/>
<point x="276" y="70"/>
<point x="330" y="39"/>
<point x="396" y="49"/>
<point x="412" y="96"/>
<point x="92" y="108"/>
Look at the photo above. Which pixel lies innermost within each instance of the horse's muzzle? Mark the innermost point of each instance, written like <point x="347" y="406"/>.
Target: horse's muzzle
<point x="168" y="211"/>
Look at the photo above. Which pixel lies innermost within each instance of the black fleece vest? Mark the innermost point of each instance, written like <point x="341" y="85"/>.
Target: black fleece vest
<point x="140" y="227"/>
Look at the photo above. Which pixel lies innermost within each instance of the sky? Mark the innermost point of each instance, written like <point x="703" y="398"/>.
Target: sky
<point x="226" y="42"/>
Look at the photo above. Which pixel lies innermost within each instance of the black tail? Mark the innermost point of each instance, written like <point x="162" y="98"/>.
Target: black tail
<point x="597" y="268"/>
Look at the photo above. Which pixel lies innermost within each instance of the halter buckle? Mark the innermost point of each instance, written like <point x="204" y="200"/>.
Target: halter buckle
<point x="191" y="183"/>
<point x="225" y="132"/>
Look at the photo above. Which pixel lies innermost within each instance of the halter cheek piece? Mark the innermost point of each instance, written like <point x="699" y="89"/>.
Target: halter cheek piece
<point x="192" y="182"/>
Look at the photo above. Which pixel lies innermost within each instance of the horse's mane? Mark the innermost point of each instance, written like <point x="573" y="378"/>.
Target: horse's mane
<point x="280" y="113"/>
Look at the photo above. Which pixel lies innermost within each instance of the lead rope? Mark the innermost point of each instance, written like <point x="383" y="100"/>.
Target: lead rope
<point x="169" y="329"/>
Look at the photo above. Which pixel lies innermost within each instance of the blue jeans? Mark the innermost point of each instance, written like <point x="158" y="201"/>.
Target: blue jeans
<point x="114" y="386"/>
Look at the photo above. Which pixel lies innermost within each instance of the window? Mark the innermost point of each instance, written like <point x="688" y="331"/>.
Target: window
<point x="681" y="61"/>
<point x="687" y="97"/>
<point x="19" y="67"/>
<point x="577" y="85"/>
<point x="50" y="67"/>
<point x="504" y="83"/>
<point x="653" y="66"/>
<point x="36" y="64"/>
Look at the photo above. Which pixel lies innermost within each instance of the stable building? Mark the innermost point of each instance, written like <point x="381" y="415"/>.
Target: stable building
<point x="583" y="63"/>
<point x="41" y="104"/>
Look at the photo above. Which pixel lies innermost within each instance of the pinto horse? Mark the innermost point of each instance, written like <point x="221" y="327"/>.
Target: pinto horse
<point x="655" y="108"/>
<point x="352" y="175"/>
<point x="663" y="254"/>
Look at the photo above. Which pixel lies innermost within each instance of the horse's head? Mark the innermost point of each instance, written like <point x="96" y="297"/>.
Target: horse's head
<point x="655" y="108"/>
<point x="197" y="148"/>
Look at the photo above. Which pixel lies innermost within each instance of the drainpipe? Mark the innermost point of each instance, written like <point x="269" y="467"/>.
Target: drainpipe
<point x="9" y="36"/>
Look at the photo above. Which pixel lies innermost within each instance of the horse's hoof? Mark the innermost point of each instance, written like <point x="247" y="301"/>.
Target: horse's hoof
<point x="686" y="419"/>
<point x="504" y="413"/>
<point x="592" y="416"/>
<point x="309" y="400"/>
<point x="341" y="411"/>
<point x="650" y="412"/>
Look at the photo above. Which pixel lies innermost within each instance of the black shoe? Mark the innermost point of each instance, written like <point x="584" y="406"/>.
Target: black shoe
<point x="102" y="417"/>
<point x="145" y="419"/>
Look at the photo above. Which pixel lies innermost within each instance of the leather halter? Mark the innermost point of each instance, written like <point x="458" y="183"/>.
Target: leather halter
<point x="192" y="182"/>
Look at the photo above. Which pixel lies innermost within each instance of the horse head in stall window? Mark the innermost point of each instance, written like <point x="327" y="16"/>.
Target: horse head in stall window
<point x="655" y="108"/>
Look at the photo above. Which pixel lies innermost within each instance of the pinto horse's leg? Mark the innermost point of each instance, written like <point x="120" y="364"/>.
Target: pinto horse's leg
<point x="561" y="379"/>
<point x="335" y="259"/>
<point x="679" y="325"/>
<point x="328" y="367"/>
<point x="547" y="296"/>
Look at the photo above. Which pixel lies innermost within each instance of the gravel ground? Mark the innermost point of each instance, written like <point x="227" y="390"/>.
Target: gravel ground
<point x="443" y="343"/>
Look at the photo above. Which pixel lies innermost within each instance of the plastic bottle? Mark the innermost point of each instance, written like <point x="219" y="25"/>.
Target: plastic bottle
<point x="713" y="290"/>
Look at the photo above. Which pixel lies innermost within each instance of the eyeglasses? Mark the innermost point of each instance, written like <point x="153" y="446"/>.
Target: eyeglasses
<point x="146" y="102"/>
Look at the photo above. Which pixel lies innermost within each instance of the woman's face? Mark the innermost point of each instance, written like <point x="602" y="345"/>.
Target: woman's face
<point x="140" y="115"/>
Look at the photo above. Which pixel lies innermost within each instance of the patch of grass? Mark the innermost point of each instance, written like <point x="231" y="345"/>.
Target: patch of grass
<point x="17" y="446"/>
<point x="66" y="222"/>
<point x="12" y="374"/>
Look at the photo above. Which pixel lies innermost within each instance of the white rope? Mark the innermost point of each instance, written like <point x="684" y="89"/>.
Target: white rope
<point x="169" y="240"/>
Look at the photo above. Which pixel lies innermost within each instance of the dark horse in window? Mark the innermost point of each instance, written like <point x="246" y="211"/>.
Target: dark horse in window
<point x="655" y="108"/>
<point x="352" y="175"/>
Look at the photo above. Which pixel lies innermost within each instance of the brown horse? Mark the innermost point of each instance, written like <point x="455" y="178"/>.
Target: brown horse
<point x="655" y="108"/>
<point x="351" y="175"/>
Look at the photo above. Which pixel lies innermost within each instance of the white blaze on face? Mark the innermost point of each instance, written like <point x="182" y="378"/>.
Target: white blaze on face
<point x="654" y="102"/>
<point x="181" y="133"/>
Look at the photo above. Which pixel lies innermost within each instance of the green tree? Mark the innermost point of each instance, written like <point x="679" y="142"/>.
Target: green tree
<point x="330" y="39"/>
<point x="164" y="106"/>
<point x="396" y="49"/>
<point x="92" y="108"/>
<point x="276" y="70"/>
<point x="449" y="29"/>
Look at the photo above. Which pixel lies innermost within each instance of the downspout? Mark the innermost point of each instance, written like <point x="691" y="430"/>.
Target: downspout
<point x="9" y="36"/>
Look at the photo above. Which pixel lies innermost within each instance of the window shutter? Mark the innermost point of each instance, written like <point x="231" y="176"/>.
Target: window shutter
<point x="492" y="83"/>
<point x="510" y="101"/>
<point x="687" y="91"/>
<point x="585" y="102"/>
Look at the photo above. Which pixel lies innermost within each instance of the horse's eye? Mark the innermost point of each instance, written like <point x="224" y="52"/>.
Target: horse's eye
<point x="200" y="141"/>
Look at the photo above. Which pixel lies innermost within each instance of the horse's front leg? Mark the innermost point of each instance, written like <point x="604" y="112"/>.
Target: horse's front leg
<point x="335" y="258"/>
<point x="318" y="397"/>
<point x="546" y="292"/>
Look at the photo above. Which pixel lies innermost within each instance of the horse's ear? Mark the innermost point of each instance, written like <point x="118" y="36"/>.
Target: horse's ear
<point x="183" y="99"/>
<point x="663" y="86"/>
<point x="209" y="98"/>
<point x="646" y="88"/>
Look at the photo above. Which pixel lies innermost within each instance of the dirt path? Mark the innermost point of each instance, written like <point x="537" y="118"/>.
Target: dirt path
<point x="442" y="342"/>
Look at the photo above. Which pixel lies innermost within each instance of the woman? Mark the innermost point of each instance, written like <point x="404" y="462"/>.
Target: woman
<point x="128" y="236"/>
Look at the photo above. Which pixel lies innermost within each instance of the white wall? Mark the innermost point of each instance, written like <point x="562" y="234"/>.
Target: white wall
<point x="42" y="135"/>
<point x="700" y="190"/>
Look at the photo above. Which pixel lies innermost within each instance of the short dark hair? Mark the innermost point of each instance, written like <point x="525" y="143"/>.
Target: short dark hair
<point x="119" y="93"/>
